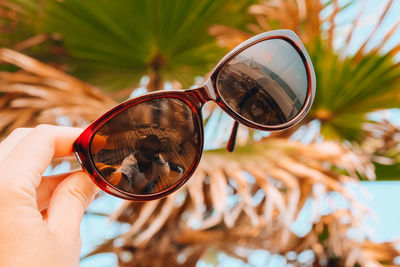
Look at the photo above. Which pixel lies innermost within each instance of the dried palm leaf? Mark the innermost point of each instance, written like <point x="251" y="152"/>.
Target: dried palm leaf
<point x="38" y="93"/>
<point x="301" y="16"/>
<point x="250" y="200"/>
<point x="383" y="138"/>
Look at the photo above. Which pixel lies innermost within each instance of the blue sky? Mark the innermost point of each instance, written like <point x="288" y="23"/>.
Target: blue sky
<point x="385" y="196"/>
<point x="369" y="19"/>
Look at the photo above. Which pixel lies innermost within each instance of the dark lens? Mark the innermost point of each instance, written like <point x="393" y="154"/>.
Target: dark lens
<point x="148" y="147"/>
<point x="265" y="83"/>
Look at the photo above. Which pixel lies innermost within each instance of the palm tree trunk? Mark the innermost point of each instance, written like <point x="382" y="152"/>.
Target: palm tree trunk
<point x="155" y="78"/>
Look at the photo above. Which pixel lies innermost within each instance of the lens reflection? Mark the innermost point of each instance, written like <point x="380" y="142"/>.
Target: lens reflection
<point x="147" y="148"/>
<point x="266" y="83"/>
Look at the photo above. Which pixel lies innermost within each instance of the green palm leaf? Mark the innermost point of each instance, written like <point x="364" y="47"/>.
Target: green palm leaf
<point x="135" y="38"/>
<point x="352" y="87"/>
<point x="113" y="44"/>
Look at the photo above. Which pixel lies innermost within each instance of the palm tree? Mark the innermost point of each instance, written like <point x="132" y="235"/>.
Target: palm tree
<point x="165" y="40"/>
<point x="235" y="203"/>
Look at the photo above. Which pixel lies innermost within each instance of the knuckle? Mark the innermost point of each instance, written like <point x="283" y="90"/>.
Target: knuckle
<point x="80" y="196"/>
<point x="43" y="132"/>
<point x="43" y="128"/>
<point x="19" y="131"/>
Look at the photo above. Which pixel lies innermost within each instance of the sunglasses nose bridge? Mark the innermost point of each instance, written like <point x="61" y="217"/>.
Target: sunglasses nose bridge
<point x="202" y="95"/>
<point x="209" y="89"/>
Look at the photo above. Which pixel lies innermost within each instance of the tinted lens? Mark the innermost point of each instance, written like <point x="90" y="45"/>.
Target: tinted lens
<point x="265" y="83"/>
<point x="147" y="148"/>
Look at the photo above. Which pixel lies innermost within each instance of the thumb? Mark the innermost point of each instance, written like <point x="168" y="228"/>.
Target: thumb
<point x="68" y="203"/>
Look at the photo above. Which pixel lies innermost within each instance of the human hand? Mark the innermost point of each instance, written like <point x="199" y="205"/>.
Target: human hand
<point x="40" y="216"/>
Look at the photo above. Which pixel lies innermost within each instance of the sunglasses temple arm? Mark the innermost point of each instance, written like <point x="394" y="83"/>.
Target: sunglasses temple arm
<point x="232" y="139"/>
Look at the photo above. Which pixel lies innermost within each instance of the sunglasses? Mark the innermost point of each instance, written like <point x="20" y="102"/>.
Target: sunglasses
<point x="149" y="146"/>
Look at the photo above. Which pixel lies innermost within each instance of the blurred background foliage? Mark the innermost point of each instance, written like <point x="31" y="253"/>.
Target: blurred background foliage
<point x="166" y="40"/>
<point x="120" y="46"/>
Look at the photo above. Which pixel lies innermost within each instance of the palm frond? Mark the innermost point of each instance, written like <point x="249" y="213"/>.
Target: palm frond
<point x="251" y="199"/>
<point x="166" y="40"/>
<point x="38" y="93"/>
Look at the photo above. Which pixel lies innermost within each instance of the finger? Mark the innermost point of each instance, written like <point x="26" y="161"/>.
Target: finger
<point x="8" y="144"/>
<point x="32" y="155"/>
<point x="46" y="187"/>
<point x="98" y="143"/>
<point x="68" y="203"/>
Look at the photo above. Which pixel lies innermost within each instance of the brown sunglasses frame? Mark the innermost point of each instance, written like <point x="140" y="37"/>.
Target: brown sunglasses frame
<point x="195" y="99"/>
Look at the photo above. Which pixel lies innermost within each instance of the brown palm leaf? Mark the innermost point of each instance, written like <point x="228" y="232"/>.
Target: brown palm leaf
<point x="38" y="93"/>
<point x="250" y="200"/>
